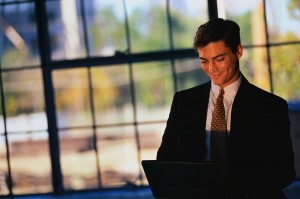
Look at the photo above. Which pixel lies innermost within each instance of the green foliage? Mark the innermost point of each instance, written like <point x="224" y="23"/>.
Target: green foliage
<point x="153" y="84"/>
<point x="14" y="57"/>
<point x="107" y="31"/>
<point x="22" y="91"/>
<point x="286" y="69"/>
<point x="285" y="61"/>
<point x="294" y="8"/>
<point x="244" y="22"/>
<point x="148" y="30"/>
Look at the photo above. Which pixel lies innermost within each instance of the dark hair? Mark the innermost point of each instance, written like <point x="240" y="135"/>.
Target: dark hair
<point x="218" y="29"/>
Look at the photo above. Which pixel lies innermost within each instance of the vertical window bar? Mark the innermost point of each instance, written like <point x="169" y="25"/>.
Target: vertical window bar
<point x="9" y="180"/>
<point x="268" y="48"/>
<point x="171" y="45"/>
<point x="212" y="9"/>
<point x="85" y="33"/>
<point x="42" y="31"/>
<point x="127" y="28"/>
<point x="170" y="25"/>
<point x="43" y="38"/>
<point x="91" y="94"/>
<point x="5" y="135"/>
<point x="132" y="92"/>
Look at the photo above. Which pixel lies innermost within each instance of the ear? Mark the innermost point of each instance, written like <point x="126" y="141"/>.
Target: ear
<point x="239" y="51"/>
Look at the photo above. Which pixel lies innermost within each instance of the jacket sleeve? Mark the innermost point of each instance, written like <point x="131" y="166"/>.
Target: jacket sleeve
<point x="168" y="148"/>
<point x="279" y="148"/>
<point x="274" y="167"/>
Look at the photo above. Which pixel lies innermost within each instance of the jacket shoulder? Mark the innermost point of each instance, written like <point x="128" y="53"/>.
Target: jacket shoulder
<point x="263" y="94"/>
<point x="202" y="88"/>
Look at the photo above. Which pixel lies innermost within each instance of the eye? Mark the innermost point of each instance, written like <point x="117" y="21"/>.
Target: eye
<point x="220" y="59"/>
<point x="203" y="61"/>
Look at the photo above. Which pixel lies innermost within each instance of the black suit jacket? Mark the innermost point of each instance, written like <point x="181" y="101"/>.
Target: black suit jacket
<point x="261" y="153"/>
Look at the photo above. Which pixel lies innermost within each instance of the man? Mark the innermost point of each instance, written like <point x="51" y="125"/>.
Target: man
<point x="258" y="151"/>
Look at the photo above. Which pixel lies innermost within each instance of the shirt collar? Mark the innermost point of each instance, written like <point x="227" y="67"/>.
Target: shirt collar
<point x="230" y="90"/>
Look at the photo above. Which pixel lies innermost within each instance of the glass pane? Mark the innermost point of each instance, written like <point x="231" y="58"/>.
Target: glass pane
<point x="249" y="15"/>
<point x="254" y="66"/>
<point x="189" y="73"/>
<point x="24" y="100"/>
<point x="150" y="136"/>
<point x="148" y="25"/>
<point x="3" y="168"/>
<point x="30" y="163"/>
<point x="18" y="35"/>
<point x="78" y="159"/>
<point x="1" y="115"/>
<point x="186" y="17"/>
<point x="105" y="26"/>
<point x="154" y="90"/>
<point x="118" y="156"/>
<point x="286" y="71"/>
<point x="65" y="29"/>
<point x="283" y="20"/>
<point x="112" y="96"/>
<point x="72" y="97"/>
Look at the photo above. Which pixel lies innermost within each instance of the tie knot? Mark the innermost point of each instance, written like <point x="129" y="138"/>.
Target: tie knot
<point x="221" y="92"/>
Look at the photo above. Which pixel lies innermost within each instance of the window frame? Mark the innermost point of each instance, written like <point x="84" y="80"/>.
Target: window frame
<point x="48" y="66"/>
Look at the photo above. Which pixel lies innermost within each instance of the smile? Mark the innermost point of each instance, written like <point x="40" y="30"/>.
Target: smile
<point x="215" y="76"/>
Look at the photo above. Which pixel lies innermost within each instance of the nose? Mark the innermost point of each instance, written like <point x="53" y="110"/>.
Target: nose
<point x="211" y="67"/>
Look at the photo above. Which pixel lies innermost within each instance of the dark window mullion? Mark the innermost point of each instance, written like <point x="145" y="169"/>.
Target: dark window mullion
<point x="5" y="135"/>
<point x="212" y="9"/>
<point x="128" y="42"/>
<point x="123" y="59"/>
<point x="171" y="45"/>
<point x="132" y="92"/>
<point x="44" y="48"/>
<point x="9" y="178"/>
<point x="93" y="112"/>
<point x="91" y="94"/>
<point x="85" y="32"/>
<point x="268" y="47"/>
<point x="111" y="125"/>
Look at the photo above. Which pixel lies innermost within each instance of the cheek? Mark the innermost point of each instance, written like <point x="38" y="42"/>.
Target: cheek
<point x="222" y="67"/>
<point x="225" y="66"/>
<point x="204" y="67"/>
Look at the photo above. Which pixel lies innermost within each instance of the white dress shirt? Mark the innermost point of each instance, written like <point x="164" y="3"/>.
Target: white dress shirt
<point x="229" y="95"/>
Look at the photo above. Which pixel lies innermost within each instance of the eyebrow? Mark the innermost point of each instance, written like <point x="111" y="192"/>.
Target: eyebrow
<point x="202" y="58"/>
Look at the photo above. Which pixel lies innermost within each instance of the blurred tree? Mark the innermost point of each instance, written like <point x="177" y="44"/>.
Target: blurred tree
<point x="107" y="32"/>
<point x="23" y="92"/>
<point x="245" y="24"/>
<point x="285" y="68"/>
<point x="148" y="29"/>
<point x="153" y="83"/>
<point x="294" y="8"/>
<point x="286" y="61"/>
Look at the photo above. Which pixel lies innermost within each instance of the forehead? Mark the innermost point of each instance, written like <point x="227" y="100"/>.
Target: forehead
<point x="213" y="49"/>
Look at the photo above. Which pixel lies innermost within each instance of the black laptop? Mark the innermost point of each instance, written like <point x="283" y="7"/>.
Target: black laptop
<point x="183" y="179"/>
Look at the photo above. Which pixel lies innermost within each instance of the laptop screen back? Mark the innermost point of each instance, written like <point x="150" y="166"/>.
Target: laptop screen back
<point x="183" y="179"/>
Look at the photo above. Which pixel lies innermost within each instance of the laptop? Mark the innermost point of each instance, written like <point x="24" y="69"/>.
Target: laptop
<point x="183" y="179"/>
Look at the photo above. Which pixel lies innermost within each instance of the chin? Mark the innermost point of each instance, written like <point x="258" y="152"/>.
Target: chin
<point x="218" y="83"/>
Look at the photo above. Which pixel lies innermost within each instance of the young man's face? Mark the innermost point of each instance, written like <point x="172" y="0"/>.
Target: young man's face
<point x="220" y="63"/>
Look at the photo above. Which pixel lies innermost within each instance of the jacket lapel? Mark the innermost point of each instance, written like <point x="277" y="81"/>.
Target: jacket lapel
<point x="240" y="108"/>
<point x="199" y="110"/>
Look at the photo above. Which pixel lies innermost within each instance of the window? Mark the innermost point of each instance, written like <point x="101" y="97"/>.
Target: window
<point x="25" y="164"/>
<point x="86" y="85"/>
<point x="270" y="34"/>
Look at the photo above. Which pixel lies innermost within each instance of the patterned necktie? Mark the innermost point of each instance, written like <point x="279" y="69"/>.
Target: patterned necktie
<point x="219" y="137"/>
